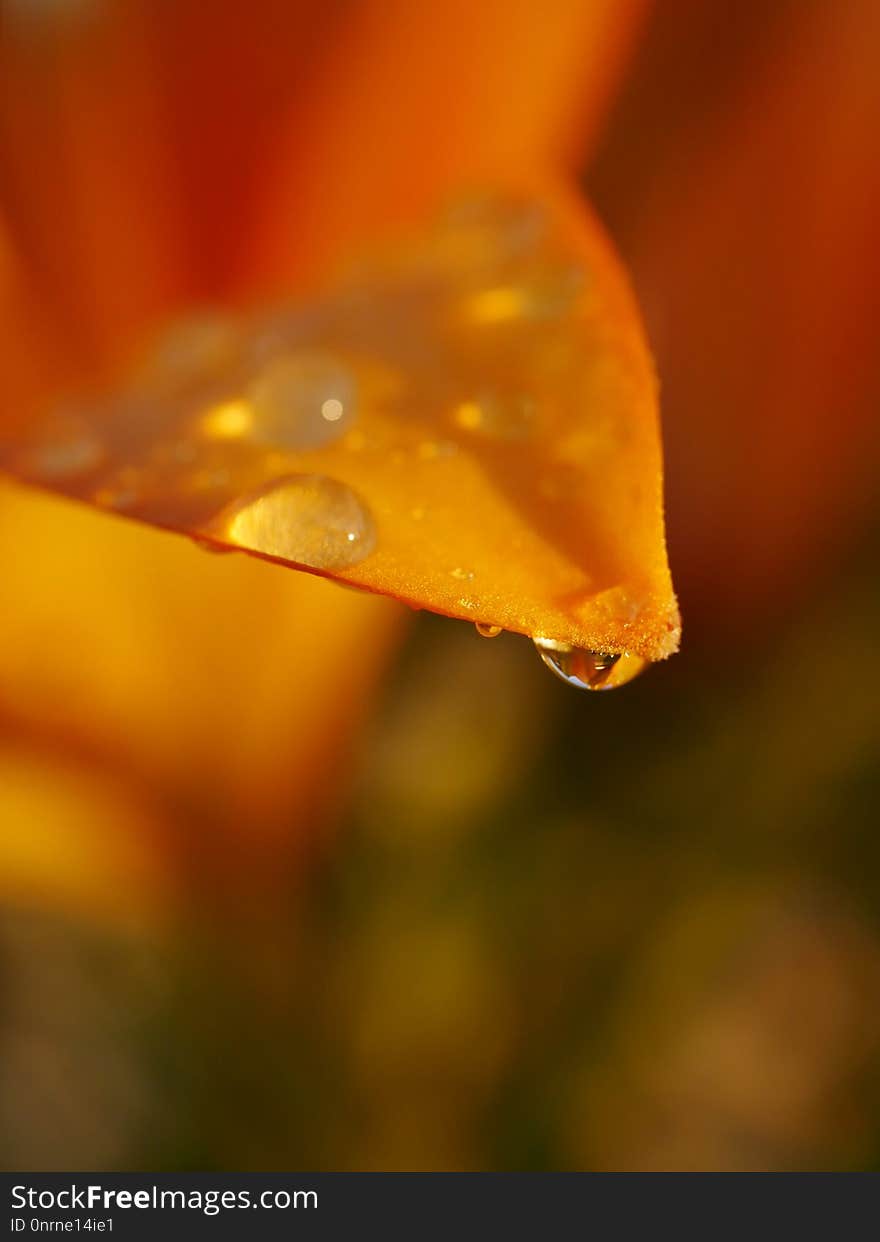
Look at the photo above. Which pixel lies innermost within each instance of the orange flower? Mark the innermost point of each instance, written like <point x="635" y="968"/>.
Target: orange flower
<point x="152" y="160"/>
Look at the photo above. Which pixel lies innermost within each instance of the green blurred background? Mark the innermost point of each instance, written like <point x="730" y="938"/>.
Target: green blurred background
<point x="556" y="931"/>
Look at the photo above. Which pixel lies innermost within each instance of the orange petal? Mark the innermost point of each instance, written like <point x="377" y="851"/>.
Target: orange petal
<point x="410" y="99"/>
<point x="228" y="80"/>
<point x="468" y="422"/>
<point x="73" y="840"/>
<point x="85" y="181"/>
<point x="745" y="194"/>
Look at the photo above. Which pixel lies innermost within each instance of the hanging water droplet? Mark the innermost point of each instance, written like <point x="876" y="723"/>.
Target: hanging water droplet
<point x="307" y="518"/>
<point x="302" y="400"/>
<point x="487" y="631"/>
<point x="588" y="670"/>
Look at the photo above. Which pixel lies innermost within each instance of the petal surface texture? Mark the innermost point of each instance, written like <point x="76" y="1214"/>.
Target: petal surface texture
<point x="465" y="420"/>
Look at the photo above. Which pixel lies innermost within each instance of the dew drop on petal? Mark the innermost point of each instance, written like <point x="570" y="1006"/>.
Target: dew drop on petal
<point x="588" y="670"/>
<point x="309" y="519"/>
<point x="302" y="399"/>
<point x="487" y="631"/>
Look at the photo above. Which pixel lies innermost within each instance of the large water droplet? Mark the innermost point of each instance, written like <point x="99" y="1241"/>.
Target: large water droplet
<point x="487" y="631"/>
<point x="302" y="400"/>
<point x="588" y="670"/>
<point x="306" y="518"/>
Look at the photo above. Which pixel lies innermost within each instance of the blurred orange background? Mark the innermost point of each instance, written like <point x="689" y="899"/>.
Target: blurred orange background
<point x="291" y="878"/>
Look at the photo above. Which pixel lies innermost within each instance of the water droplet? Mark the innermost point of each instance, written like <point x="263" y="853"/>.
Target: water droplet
<point x="302" y="400"/>
<point x="307" y="518"/>
<point x="463" y="575"/>
<point x="487" y="631"/>
<point x="588" y="670"/>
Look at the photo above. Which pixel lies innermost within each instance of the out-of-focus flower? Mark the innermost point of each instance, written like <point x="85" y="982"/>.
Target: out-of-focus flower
<point x="741" y="181"/>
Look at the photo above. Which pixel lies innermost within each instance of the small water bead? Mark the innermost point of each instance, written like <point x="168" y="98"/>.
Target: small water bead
<point x="302" y="400"/>
<point x="588" y="670"/>
<point x="305" y="518"/>
<point x="462" y="575"/>
<point x="332" y="410"/>
<point x="487" y="631"/>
